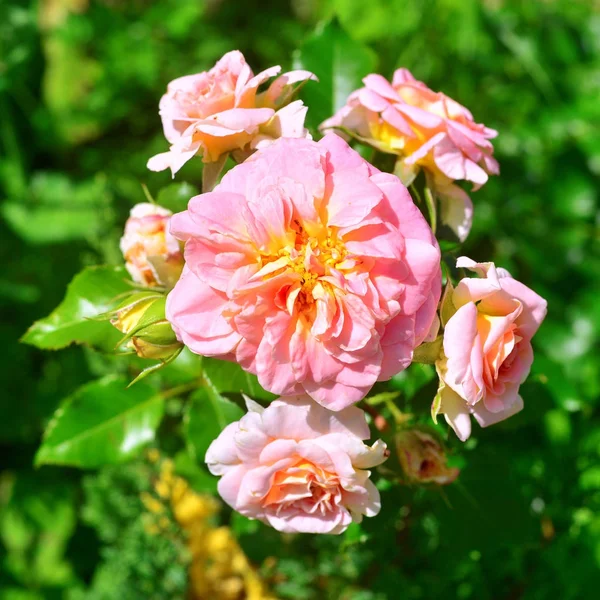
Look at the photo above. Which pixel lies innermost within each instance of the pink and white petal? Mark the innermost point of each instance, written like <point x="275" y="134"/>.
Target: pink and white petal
<point x="351" y="198"/>
<point x="340" y="157"/>
<point x="425" y="148"/>
<point x="230" y="483"/>
<point x="295" y="521"/>
<point x="380" y="240"/>
<point x="381" y="86"/>
<point x="277" y="450"/>
<point x="460" y="337"/>
<point x="244" y="95"/>
<point x="250" y="439"/>
<point x="256" y="484"/>
<point x="212" y="212"/>
<point x="392" y="116"/>
<point x="234" y="120"/>
<point x="371" y="100"/>
<point x="334" y="395"/>
<point x="295" y="160"/>
<point x="195" y="310"/>
<point x="534" y="306"/>
<point x="367" y="457"/>
<point x="399" y="210"/>
<point x="424" y="262"/>
<point x="485" y="418"/>
<point x="222" y="454"/>
<point x="456" y="210"/>
<point x="278" y="88"/>
<point x="456" y="413"/>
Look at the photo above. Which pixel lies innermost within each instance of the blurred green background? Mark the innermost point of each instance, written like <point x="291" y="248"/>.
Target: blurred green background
<point x="80" y="82"/>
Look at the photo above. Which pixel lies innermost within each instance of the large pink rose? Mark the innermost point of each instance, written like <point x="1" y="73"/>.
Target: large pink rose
<point x="308" y="267"/>
<point x="297" y="466"/>
<point x="427" y="130"/>
<point x="487" y="347"/>
<point x="219" y="111"/>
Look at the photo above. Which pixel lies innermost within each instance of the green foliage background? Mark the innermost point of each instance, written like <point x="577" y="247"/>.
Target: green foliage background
<point x="79" y="87"/>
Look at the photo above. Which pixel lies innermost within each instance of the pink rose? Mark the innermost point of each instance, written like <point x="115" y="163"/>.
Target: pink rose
<point x="297" y="466"/>
<point x="219" y="111"/>
<point x="427" y="130"/>
<point x="487" y="348"/>
<point x="308" y="267"/>
<point x="152" y="255"/>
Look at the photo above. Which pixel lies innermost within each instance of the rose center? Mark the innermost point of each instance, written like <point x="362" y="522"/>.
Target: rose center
<point x="305" y="487"/>
<point x="308" y="260"/>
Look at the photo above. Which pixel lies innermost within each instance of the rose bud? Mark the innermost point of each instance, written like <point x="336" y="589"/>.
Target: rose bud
<point x="152" y="255"/>
<point x="422" y="458"/>
<point x="142" y="318"/>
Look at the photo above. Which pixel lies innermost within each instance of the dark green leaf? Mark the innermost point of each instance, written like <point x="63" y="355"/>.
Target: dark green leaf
<point x="91" y="292"/>
<point x="56" y="209"/>
<point x="208" y="413"/>
<point x="104" y="422"/>
<point x="339" y="62"/>
<point x="230" y="377"/>
<point x="176" y="196"/>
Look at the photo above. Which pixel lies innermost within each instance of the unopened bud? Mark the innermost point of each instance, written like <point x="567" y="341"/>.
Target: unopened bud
<point x="423" y="458"/>
<point x="152" y="255"/>
<point x="141" y="317"/>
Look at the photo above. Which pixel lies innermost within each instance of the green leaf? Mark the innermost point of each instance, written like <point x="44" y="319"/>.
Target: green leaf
<point x="91" y="292"/>
<point x="58" y="210"/>
<point x="227" y="376"/>
<point x="447" y="308"/>
<point x="339" y="62"/>
<point x="208" y="413"/>
<point x="428" y="352"/>
<point x="176" y="196"/>
<point x="102" y="423"/>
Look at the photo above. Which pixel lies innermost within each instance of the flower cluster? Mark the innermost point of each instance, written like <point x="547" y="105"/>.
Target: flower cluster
<point x="318" y="273"/>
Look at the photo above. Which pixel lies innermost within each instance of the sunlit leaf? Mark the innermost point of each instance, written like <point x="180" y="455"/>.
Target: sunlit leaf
<point x="339" y="62"/>
<point x="227" y="376"/>
<point x="93" y="291"/>
<point x="207" y="415"/>
<point x="102" y="423"/>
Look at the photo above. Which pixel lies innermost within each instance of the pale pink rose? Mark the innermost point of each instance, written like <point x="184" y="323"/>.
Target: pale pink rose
<point x="297" y="466"/>
<point x="310" y="268"/>
<point x="219" y="111"/>
<point x="427" y="130"/>
<point x="487" y="347"/>
<point x="152" y="255"/>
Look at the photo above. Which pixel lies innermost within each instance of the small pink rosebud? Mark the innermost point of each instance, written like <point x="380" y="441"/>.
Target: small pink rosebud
<point x="152" y="255"/>
<point x="423" y="458"/>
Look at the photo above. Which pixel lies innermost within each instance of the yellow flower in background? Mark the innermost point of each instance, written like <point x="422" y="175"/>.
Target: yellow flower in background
<point x="219" y="569"/>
